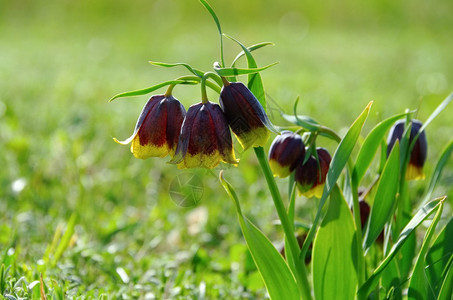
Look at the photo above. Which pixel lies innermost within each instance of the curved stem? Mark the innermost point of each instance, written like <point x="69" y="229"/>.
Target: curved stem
<point x="288" y="228"/>
<point x="204" y="82"/>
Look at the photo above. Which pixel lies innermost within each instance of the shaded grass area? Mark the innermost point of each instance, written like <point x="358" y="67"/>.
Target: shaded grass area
<point x="59" y="64"/>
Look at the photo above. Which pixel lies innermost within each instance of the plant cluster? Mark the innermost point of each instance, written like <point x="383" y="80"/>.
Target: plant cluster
<point x="363" y="238"/>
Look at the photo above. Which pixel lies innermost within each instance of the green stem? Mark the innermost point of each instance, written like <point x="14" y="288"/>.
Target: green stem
<point x="359" y="233"/>
<point x="213" y="86"/>
<point x="288" y="228"/>
<point x="204" y="82"/>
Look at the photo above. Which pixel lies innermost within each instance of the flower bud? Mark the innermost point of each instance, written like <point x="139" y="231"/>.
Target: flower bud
<point x="245" y="115"/>
<point x="205" y="138"/>
<point x="285" y="152"/>
<point x="419" y="152"/>
<point x="311" y="176"/>
<point x="157" y="130"/>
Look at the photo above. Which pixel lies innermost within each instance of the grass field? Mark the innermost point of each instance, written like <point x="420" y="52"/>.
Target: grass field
<point x="93" y="220"/>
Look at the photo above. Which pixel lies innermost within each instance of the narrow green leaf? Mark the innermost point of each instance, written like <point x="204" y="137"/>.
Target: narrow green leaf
<point x="334" y="273"/>
<point x="304" y="121"/>
<point x="251" y="49"/>
<point x="436" y="112"/>
<point x="418" y="284"/>
<point x="371" y="144"/>
<point x="277" y="276"/>
<point x="196" y="72"/>
<point x="438" y="258"/>
<point x="384" y="201"/>
<point x="339" y="160"/>
<point x="255" y="84"/>
<point x="219" y="28"/>
<point x="240" y="71"/>
<point x="419" y="217"/>
<point x="443" y="160"/>
<point x="446" y="290"/>
<point x="152" y="89"/>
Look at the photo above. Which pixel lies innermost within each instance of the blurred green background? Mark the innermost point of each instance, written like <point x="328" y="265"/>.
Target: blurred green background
<point x="60" y="62"/>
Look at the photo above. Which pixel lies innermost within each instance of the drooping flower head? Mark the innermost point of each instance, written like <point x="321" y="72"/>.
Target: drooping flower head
<point x="205" y="138"/>
<point x="419" y="152"/>
<point x="245" y="115"/>
<point x="157" y="130"/>
<point x="285" y="152"/>
<point x="311" y="175"/>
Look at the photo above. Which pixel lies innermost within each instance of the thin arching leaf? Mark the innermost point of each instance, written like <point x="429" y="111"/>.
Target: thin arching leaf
<point x="419" y="217"/>
<point x="339" y="160"/>
<point x="371" y="145"/>
<point x="439" y="259"/>
<point x="277" y="276"/>
<point x="219" y="28"/>
<point x="194" y="71"/>
<point x="443" y="160"/>
<point x="419" y="285"/>
<point x="152" y="89"/>
<point x="251" y="49"/>
<point x="254" y="82"/>
<point x="240" y="71"/>
<point x="384" y="201"/>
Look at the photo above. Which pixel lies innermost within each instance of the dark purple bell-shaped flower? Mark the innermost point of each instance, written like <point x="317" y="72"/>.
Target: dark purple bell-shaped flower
<point x="157" y="130"/>
<point x="419" y="152"/>
<point x="285" y="152"/>
<point x="245" y="115"/>
<point x="205" y="138"/>
<point x="311" y="175"/>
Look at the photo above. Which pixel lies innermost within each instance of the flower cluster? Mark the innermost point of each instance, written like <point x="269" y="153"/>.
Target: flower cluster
<point x="287" y="154"/>
<point x="201" y="137"/>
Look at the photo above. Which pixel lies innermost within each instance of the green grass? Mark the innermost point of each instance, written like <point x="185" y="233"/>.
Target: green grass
<point x="60" y="63"/>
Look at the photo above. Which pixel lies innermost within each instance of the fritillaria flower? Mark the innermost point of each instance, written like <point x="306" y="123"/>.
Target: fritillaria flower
<point x="418" y="155"/>
<point x="157" y="130"/>
<point x="285" y="152"/>
<point x="205" y="138"/>
<point x="245" y="115"/>
<point x="311" y="175"/>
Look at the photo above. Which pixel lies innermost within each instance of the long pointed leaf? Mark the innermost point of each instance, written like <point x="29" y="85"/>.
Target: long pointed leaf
<point x="194" y="71"/>
<point x="371" y="145"/>
<point x="251" y="48"/>
<point x="219" y="28"/>
<point x="334" y="252"/>
<point x="438" y="258"/>
<point x="419" y="285"/>
<point x="384" y="201"/>
<point x="151" y="89"/>
<point x="443" y="160"/>
<point x="419" y="217"/>
<point x="277" y="276"/>
<point x="255" y="83"/>
<point x="241" y="71"/>
<point x="339" y="160"/>
<point x="446" y="290"/>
